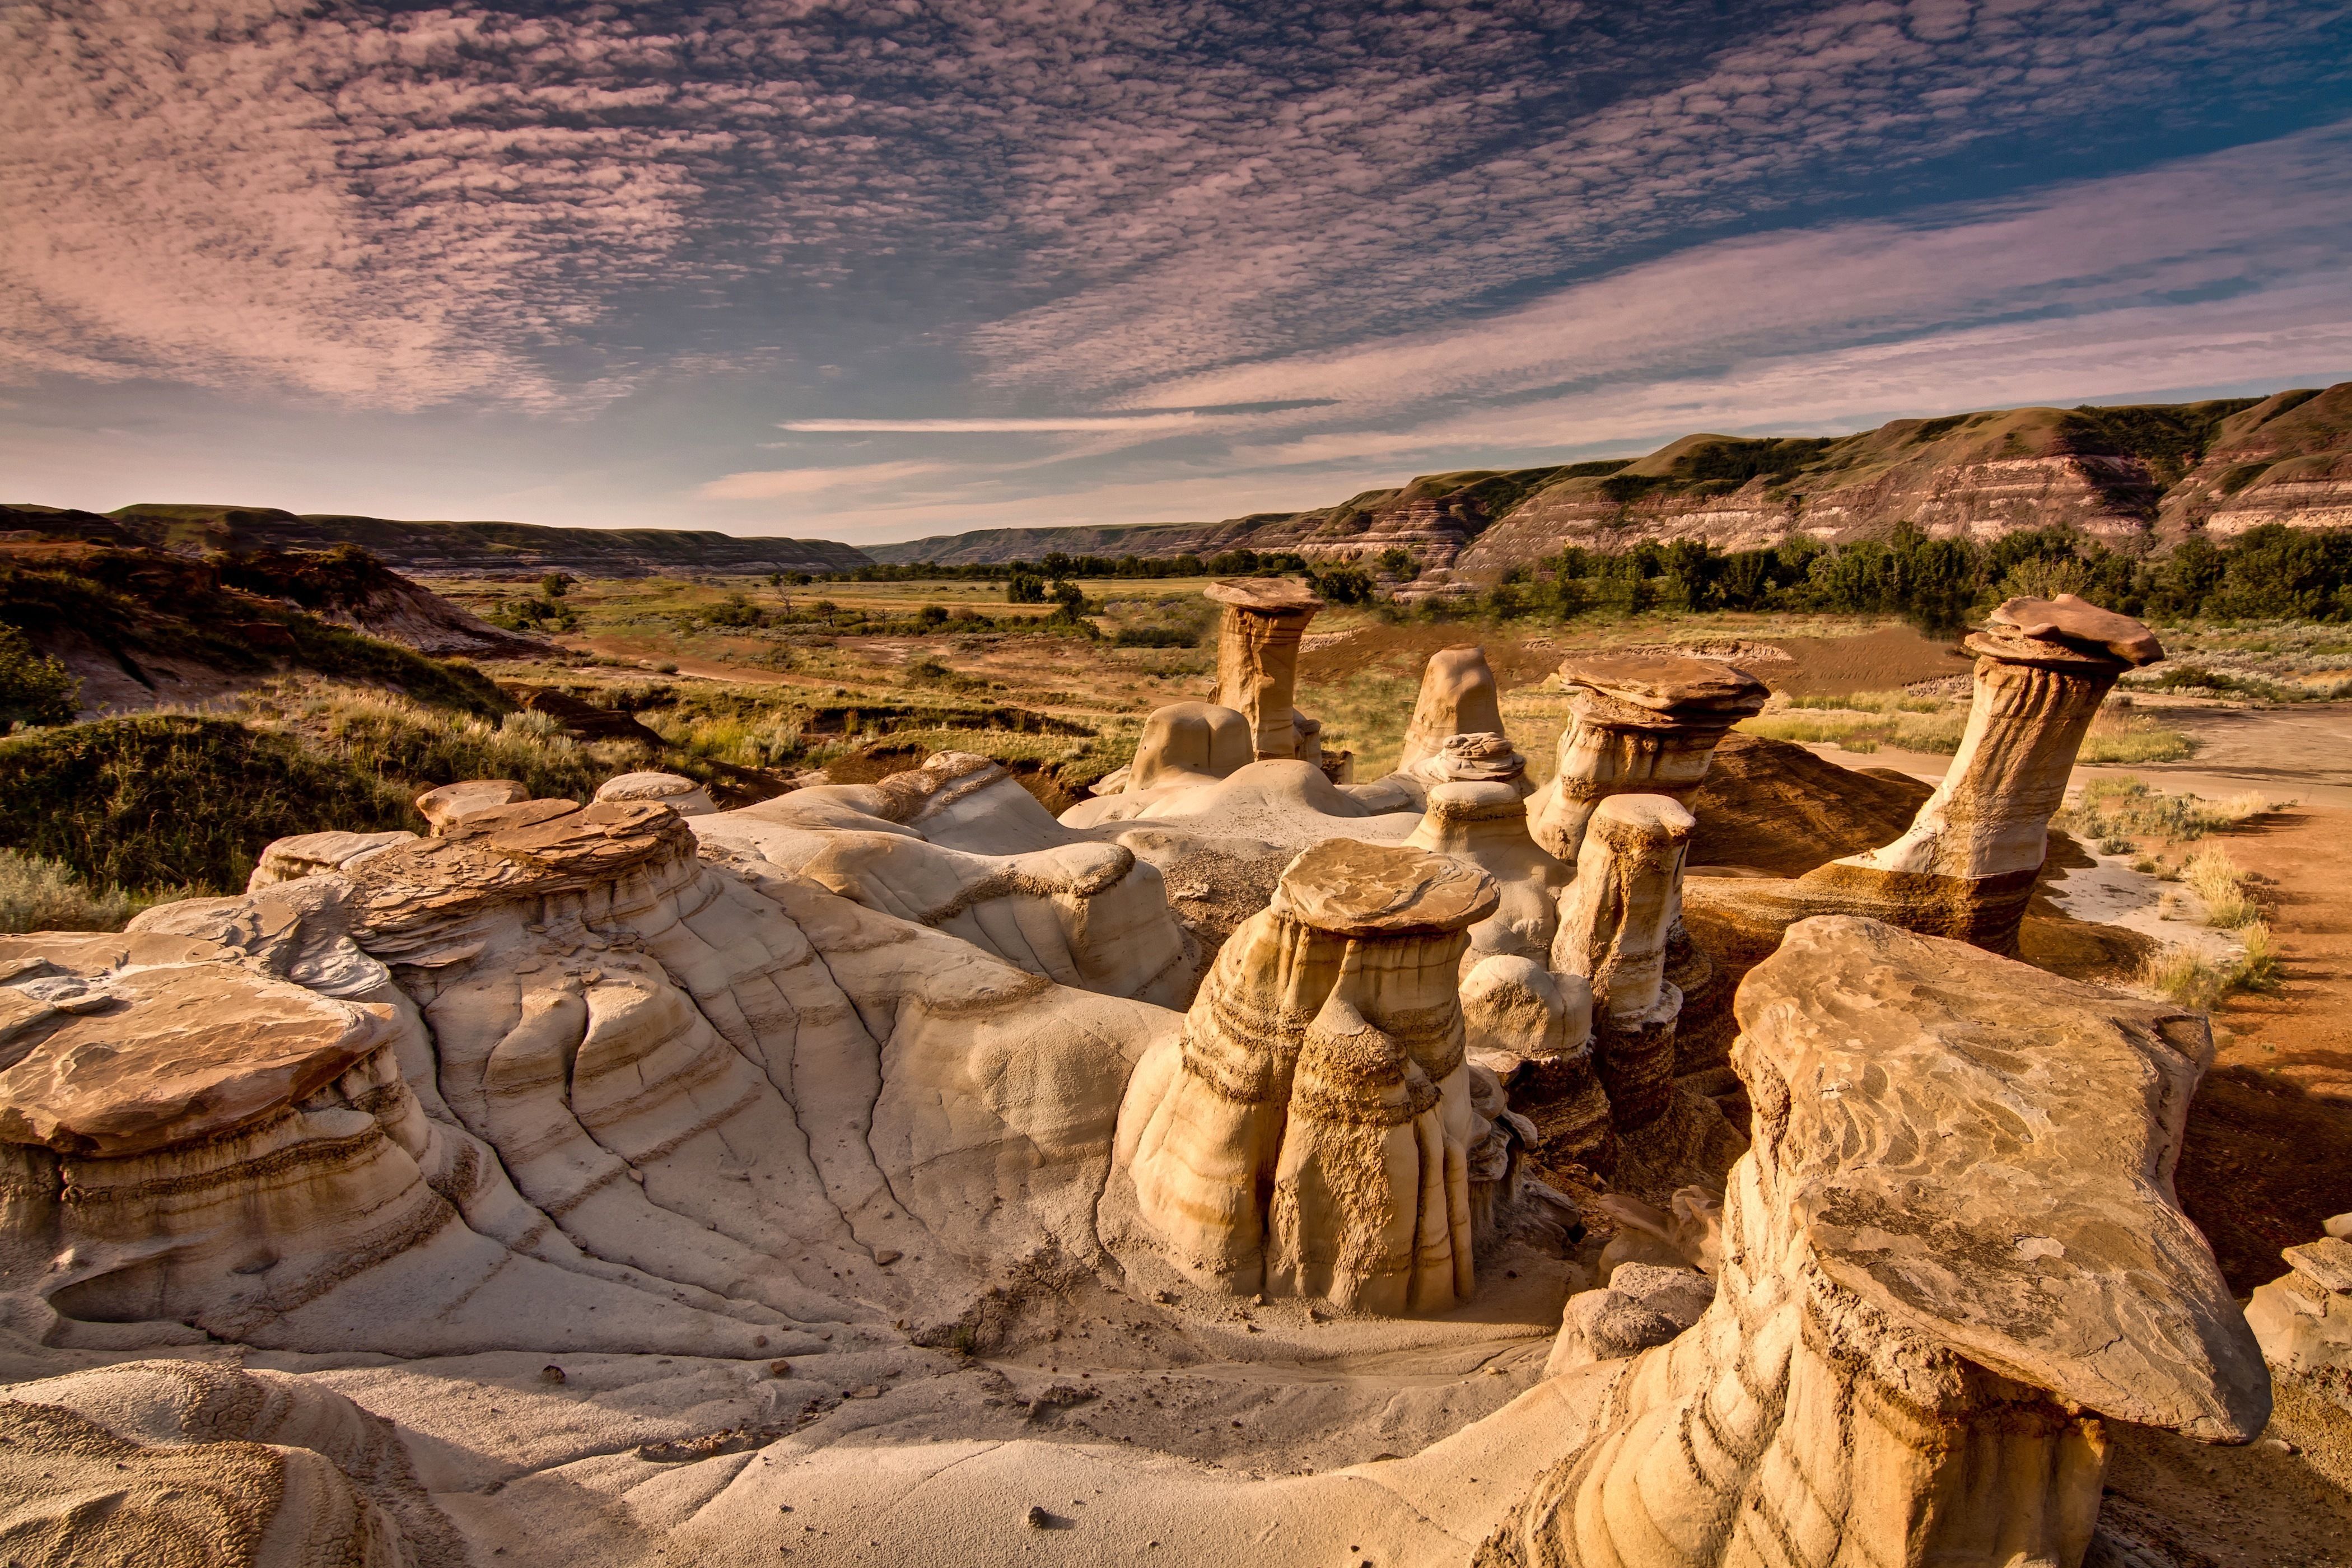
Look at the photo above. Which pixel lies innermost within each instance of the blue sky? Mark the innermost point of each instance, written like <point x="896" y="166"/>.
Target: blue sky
<point x="869" y="272"/>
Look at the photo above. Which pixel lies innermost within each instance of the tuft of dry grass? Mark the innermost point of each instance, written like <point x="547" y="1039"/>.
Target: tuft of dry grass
<point x="2216" y="881"/>
<point x="2195" y="980"/>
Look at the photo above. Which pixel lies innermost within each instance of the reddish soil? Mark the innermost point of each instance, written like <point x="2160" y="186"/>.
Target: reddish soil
<point x="1876" y="660"/>
<point x="2268" y="1156"/>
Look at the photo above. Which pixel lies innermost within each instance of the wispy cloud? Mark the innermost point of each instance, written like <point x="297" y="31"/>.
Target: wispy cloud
<point x="1141" y="233"/>
<point x="1183" y="419"/>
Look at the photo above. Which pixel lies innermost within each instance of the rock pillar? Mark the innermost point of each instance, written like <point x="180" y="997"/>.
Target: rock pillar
<point x="1314" y="1133"/>
<point x="1613" y="928"/>
<point x="1257" y="658"/>
<point x="1476" y="810"/>
<point x="1457" y="698"/>
<point x="1966" y="865"/>
<point x="1642" y="724"/>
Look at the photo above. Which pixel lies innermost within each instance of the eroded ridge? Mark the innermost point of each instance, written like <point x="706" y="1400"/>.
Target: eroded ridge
<point x="1951" y="1251"/>
<point x="1313" y="1132"/>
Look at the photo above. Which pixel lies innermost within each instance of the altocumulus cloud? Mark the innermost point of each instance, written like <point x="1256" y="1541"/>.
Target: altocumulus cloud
<point x="1127" y="234"/>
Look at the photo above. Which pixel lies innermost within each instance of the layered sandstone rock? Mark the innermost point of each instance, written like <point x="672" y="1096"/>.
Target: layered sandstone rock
<point x="1457" y="698"/>
<point x="1641" y="724"/>
<point x="1257" y="661"/>
<point x="617" y="1098"/>
<point x="1476" y="811"/>
<point x="1943" y="1264"/>
<point x="2302" y="1320"/>
<point x="1614" y="925"/>
<point x="1311" y="1133"/>
<point x="1189" y="744"/>
<point x="1966" y="865"/>
<point x="680" y="793"/>
<point x="183" y="1465"/>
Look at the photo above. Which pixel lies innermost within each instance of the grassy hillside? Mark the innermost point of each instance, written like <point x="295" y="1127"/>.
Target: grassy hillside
<point x="520" y="548"/>
<point x="2108" y="470"/>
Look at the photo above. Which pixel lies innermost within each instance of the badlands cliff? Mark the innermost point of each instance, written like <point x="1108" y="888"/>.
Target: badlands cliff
<point x="898" y="1172"/>
<point x="2165" y="471"/>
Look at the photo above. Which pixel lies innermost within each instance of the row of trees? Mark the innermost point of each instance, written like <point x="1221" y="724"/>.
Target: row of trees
<point x="2270" y="572"/>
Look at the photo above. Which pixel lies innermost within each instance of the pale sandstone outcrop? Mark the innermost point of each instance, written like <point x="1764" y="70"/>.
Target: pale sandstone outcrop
<point x="718" y="1097"/>
<point x="451" y="804"/>
<point x="1966" y="865"/>
<point x="1953" y="1249"/>
<point x="1615" y="919"/>
<point x="1484" y="822"/>
<point x="185" y="1465"/>
<point x="1457" y="698"/>
<point x="681" y="795"/>
<point x="1311" y="1134"/>
<point x="1641" y="724"/>
<point x="1080" y="913"/>
<point x="1188" y="743"/>
<point x="306" y="854"/>
<point x="1257" y="661"/>
<point x="2302" y="1319"/>
<point x="1285" y="804"/>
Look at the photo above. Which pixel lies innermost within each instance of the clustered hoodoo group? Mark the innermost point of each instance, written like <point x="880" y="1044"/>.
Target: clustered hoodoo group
<point x="647" y="1075"/>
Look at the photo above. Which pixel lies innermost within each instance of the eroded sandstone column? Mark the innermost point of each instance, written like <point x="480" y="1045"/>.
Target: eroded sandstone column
<point x="1270" y="1158"/>
<point x="1615" y="923"/>
<point x="1941" y="1267"/>
<point x="1258" y="658"/>
<point x="1457" y="698"/>
<point x="1476" y="810"/>
<point x="1967" y="866"/>
<point x="1372" y="1193"/>
<point x="1189" y="744"/>
<point x="1643" y="724"/>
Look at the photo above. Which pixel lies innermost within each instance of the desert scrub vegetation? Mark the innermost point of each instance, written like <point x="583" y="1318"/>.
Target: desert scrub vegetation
<point x="36" y="894"/>
<point x="34" y="689"/>
<point x="2194" y="979"/>
<point x="2114" y="813"/>
<point x="2220" y="887"/>
<point x="1867" y="721"/>
<point x="167" y="801"/>
<point x="412" y="747"/>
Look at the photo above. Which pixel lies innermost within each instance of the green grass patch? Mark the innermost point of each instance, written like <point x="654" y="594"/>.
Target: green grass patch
<point x="161" y="802"/>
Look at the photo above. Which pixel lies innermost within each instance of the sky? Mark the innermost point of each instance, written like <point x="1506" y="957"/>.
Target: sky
<point x="876" y="271"/>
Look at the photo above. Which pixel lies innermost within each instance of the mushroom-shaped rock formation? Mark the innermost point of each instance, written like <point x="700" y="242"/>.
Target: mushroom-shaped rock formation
<point x="1614" y="923"/>
<point x="1966" y="865"/>
<point x="1188" y="743"/>
<point x="1475" y="810"/>
<point x="1321" y="1076"/>
<point x="681" y="795"/>
<point x="1457" y="698"/>
<point x="1641" y="724"/>
<point x="1258" y="661"/>
<point x="1953" y="1249"/>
